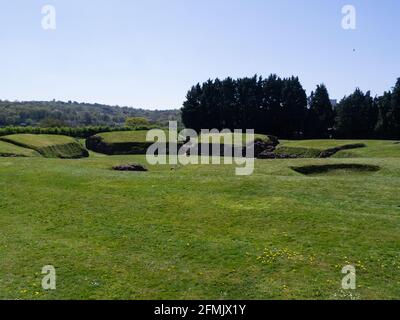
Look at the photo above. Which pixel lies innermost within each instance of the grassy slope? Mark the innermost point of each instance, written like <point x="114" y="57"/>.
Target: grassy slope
<point x="124" y="136"/>
<point x="225" y="138"/>
<point x="318" y="144"/>
<point x="50" y="146"/>
<point x="301" y="152"/>
<point x="126" y="142"/>
<point x="138" y="235"/>
<point x="11" y="150"/>
<point x="374" y="148"/>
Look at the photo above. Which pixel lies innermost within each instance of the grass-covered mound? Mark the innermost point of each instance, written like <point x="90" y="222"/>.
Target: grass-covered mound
<point x="319" y="144"/>
<point x="12" y="150"/>
<point x="350" y="148"/>
<point x="120" y="143"/>
<point x="49" y="146"/>
<point x="340" y="148"/>
<point x="307" y="152"/>
<point x="297" y="152"/>
<point x="124" y="136"/>
<point x="374" y="149"/>
<point x="134" y="142"/>
<point x="232" y="138"/>
<point x="238" y="142"/>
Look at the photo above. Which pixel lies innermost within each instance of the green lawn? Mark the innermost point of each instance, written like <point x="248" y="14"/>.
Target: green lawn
<point x="11" y="150"/>
<point x="198" y="232"/>
<point x="49" y="146"/>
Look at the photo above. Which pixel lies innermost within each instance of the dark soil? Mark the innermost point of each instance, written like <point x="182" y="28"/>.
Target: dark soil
<point x="130" y="167"/>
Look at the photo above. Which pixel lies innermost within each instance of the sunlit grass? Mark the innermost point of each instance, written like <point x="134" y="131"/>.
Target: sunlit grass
<point x="197" y="232"/>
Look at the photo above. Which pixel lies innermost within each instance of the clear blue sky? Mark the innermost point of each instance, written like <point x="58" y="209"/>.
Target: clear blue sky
<point x="148" y="53"/>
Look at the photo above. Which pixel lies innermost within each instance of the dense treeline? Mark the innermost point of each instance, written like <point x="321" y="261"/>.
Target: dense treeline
<point x="280" y="106"/>
<point x="74" y="114"/>
<point x="76" y="132"/>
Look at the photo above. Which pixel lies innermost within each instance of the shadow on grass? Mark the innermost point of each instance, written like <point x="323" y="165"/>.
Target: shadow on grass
<point x="335" y="168"/>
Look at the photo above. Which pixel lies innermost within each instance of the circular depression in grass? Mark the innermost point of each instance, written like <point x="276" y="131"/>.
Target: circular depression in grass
<point x="342" y="168"/>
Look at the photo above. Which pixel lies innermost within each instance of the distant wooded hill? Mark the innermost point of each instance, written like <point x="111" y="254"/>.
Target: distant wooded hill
<point x="58" y="113"/>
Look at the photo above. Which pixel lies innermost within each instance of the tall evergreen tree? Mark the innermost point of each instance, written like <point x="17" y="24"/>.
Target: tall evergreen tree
<point x="320" y="116"/>
<point x="384" y="105"/>
<point x="249" y="96"/>
<point x="393" y="115"/>
<point x="357" y="116"/>
<point x="294" y="103"/>
<point x="271" y="111"/>
<point x="229" y="104"/>
<point x="192" y="111"/>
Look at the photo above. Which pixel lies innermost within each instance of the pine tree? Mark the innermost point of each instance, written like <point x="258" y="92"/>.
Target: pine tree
<point x="272" y="105"/>
<point x="294" y="103"/>
<point x="320" y="115"/>
<point x="357" y="116"/>
<point x="192" y="112"/>
<point x="384" y="104"/>
<point x="229" y="104"/>
<point x="394" y="113"/>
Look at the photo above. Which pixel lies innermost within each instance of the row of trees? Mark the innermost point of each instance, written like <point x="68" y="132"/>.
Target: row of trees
<point x="362" y="116"/>
<point x="74" y="114"/>
<point x="76" y="132"/>
<point x="280" y="106"/>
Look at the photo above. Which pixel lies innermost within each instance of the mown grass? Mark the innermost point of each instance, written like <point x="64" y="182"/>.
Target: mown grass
<point x="11" y="150"/>
<point x="197" y="232"/>
<point x="49" y="146"/>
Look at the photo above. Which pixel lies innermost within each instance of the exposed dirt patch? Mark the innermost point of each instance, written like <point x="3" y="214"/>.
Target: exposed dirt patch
<point x="335" y="168"/>
<point x="130" y="167"/>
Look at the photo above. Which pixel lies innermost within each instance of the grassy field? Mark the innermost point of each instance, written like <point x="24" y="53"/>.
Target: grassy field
<point x="277" y="234"/>
<point x="49" y="146"/>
